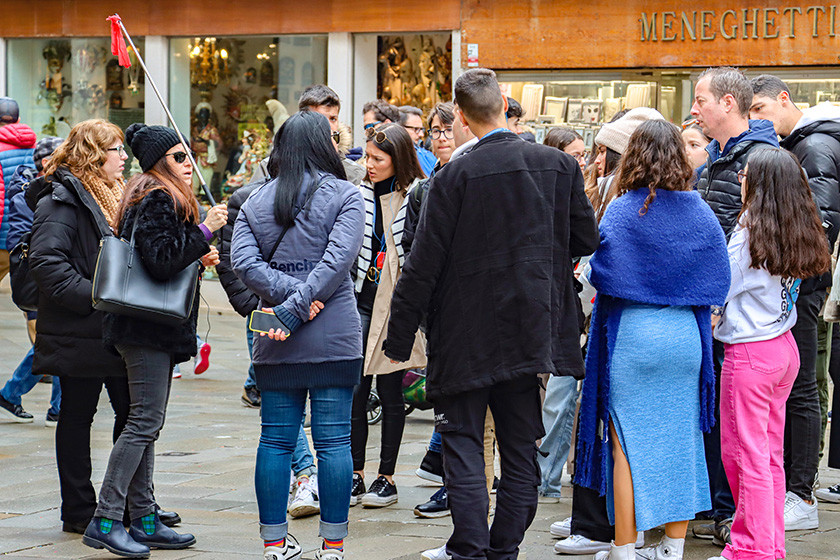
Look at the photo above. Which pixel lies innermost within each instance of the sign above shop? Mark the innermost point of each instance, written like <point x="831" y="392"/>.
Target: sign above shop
<point x="745" y="24"/>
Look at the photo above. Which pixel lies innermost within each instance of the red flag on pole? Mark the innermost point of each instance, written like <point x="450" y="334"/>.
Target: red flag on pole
<point x="118" y="42"/>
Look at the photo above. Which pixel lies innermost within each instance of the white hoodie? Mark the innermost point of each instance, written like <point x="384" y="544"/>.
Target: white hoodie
<point x="824" y="111"/>
<point x="759" y="306"/>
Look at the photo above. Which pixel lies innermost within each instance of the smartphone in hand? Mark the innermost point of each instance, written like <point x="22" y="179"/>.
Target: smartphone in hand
<point x="264" y="321"/>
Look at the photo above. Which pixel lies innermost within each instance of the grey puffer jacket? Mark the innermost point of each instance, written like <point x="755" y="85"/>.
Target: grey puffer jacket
<point x="313" y="262"/>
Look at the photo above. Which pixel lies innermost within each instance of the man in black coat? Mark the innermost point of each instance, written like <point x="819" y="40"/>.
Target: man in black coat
<point x="491" y="264"/>
<point x="814" y="137"/>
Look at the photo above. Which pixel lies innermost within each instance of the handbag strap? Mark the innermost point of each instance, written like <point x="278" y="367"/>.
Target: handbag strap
<point x="285" y="229"/>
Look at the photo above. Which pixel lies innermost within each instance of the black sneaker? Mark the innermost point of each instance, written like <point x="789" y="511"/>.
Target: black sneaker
<point x="382" y="493"/>
<point x="431" y="467"/>
<point x="52" y="419"/>
<point x="251" y="397"/>
<point x="437" y="506"/>
<point x="830" y="494"/>
<point x="357" y="490"/>
<point x="14" y="412"/>
<point x="723" y="529"/>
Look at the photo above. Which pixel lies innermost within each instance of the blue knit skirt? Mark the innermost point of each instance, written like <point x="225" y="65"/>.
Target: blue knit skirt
<point x="655" y="408"/>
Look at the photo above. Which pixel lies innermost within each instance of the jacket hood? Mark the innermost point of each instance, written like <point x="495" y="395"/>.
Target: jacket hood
<point x="822" y="113"/>
<point x="760" y="130"/>
<point x="19" y="135"/>
<point x="22" y="177"/>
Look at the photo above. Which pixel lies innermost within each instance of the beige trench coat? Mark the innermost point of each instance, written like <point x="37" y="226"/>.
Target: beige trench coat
<point x="375" y="360"/>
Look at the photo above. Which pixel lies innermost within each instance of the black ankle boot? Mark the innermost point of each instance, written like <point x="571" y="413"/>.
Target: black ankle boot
<point x="116" y="540"/>
<point x="162" y="537"/>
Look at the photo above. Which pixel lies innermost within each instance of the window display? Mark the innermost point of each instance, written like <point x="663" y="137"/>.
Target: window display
<point x="233" y="93"/>
<point x="61" y="82"/>
<point x="415" y="70"/>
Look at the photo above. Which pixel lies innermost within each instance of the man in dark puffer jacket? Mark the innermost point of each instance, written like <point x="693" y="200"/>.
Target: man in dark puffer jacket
<point x="813" y="136"/>
<point x="722" y="99"/>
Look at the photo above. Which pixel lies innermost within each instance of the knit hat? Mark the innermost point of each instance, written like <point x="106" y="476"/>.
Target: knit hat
<point x="44" y="148"/>
<point x="616" y="135"/>
<point x="9" y="111"/>
<point x="150" y="143"/>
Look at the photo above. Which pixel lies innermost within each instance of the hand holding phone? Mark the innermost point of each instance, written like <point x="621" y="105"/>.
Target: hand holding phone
<point x="265" y="322"/>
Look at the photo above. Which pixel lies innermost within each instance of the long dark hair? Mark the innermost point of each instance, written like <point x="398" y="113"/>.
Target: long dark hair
<point x="302" y="147"/>
<point x="655" y="159"/>
<point x="786" y="235"/>
<point x="396" y="142"/>
<point x="560" y="137"/>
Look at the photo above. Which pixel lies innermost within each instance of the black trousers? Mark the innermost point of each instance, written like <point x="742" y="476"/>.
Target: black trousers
<point x="389" y="389"/>
<point x="802" y="419"/>
<point x="723" y="504"/>
<point x="460" y="421"/>
<point x="834" y="372"/>
<point x="79" y="398"/>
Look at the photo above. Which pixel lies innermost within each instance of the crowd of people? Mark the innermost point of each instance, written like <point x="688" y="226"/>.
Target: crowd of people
<point x="645" y="316"/>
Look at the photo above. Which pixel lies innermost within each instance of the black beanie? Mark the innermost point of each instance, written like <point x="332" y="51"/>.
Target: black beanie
<point x="150" y="143"/>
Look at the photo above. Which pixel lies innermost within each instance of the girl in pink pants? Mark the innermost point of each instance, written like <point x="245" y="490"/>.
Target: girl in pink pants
<point x="779" y="240"/>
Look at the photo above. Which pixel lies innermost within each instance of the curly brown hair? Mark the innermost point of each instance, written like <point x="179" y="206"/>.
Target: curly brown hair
<point x="655" y="159"/>
<point x="786" y="234"/>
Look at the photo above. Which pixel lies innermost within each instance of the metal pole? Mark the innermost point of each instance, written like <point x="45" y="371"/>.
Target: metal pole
<point x="186" y="145"/>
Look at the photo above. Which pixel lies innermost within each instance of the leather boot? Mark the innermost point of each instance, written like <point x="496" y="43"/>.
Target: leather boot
<point x="116" y="540"/>
<point x="161" y="535"/>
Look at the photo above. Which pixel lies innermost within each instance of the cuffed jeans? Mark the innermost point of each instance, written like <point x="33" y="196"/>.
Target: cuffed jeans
<point x="460" y="419"/>
<point x="22" y="381"/>
<point x="558" y="418"/>
<point x="802" y="425"/>
<point x="281" y="413"/>
<point x="131" y="465"/>
<point x="755" y="382"/>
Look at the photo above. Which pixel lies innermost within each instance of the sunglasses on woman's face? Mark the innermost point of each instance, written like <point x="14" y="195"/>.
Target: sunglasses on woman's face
<point x="179" y="157"/>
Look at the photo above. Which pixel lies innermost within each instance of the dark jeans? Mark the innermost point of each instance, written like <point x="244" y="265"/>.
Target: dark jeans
<point x="389" y="389"/>
<point x="80" y="395"/>
<point x="723" y="504"/>
<point x="131" y="465"/>
<point x="802" y="421"/>
<point x="834" y="371"/>
<point x="460" y="420"/>
<point x="589" y="514"/>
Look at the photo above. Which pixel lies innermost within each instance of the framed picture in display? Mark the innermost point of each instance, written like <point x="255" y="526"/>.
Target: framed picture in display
<point x="574" y="111"/>
<point x="556" y="106"/>
<point x="591" y="111"/>
<point x="531" y="100"/>
<point x="589" y="138"/>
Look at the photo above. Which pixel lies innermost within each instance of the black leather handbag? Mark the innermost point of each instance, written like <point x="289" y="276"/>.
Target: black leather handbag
<point x="122" y="285"/>
<point x="24" y="288"/>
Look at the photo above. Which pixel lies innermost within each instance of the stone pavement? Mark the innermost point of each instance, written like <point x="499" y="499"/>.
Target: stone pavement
<point x="205" y="467"/>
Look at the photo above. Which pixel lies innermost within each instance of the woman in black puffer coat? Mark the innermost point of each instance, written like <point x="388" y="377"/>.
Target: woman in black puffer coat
<point x="81" y="187"/>
<point x="168" y="238"/>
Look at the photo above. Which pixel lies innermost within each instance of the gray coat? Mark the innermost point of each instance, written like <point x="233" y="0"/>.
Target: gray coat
<point x="313" y="262"/>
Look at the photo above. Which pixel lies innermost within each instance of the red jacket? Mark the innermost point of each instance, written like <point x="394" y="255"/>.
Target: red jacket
<point x="17" y="142"/>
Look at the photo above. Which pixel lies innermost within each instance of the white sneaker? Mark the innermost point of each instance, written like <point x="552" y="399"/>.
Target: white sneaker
<point x="289" y="551"/>
<point x="329" y="554"/>
<point x="667" y="549"/>
<point x="830" y="494"/>
<point x="305" y="502"/>
<point x="436" y="554"/>
<point x="577" y="544"/>
<point x="799" y="514"/>
<point x="561" y="529"/>
<point x="626" y="552"/>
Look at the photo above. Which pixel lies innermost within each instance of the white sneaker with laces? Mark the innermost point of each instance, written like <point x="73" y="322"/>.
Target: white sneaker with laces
<point x="830" y="494"/>
<point x="626" y="552"/>
<point x="561" y="529"/>
<point x="667" y="549"/>
<point x="329" y="554"/>
<point x="799" y="514"/>
<point x="578" y="544"/>
<point x="305" y="501"/>
<point x="436" y="554"/>
<point x="290" y="550"/>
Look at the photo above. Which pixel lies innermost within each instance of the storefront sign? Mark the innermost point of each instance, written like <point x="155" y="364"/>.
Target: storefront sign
<point x="472" y="55"/>
<point x="745" y="24"/>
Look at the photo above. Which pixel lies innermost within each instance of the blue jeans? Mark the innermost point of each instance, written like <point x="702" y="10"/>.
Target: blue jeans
<point x="436" y="443"/>
<point x="251" y="380"/>
<point x="22" y="382"/>
<point x="558" y="418"/>
<point x="281" y="414"/>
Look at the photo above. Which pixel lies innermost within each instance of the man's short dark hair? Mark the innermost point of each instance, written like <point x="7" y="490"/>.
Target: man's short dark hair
<point x="768" y="85"/>
<point x="9" y="111"/>
<point x="478" y="96"/>
<point x="726" y="80"/>
<point x="382" y="111"/>
<point x="317" y="95"/>
<point x="514" y="109"/>
<point x="407" y="110"/>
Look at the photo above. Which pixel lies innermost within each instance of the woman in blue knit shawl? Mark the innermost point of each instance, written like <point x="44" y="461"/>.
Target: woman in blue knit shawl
<point x="649" y="389"/>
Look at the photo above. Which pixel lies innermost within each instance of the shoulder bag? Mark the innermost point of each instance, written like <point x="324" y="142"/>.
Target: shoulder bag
<point x="123" y="286"/>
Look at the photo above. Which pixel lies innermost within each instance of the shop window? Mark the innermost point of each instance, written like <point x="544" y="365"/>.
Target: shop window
<point x="232" y="93"/>
<point x="61" y="82"/>
<point x="415" y="69"/>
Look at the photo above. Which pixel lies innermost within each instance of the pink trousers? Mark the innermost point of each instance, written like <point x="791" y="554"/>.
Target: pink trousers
<point x="755" y="383"/>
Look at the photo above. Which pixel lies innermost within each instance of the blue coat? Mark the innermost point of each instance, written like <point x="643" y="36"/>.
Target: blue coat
<point x="313" y="262"/>
<point x="17" y="143"/>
